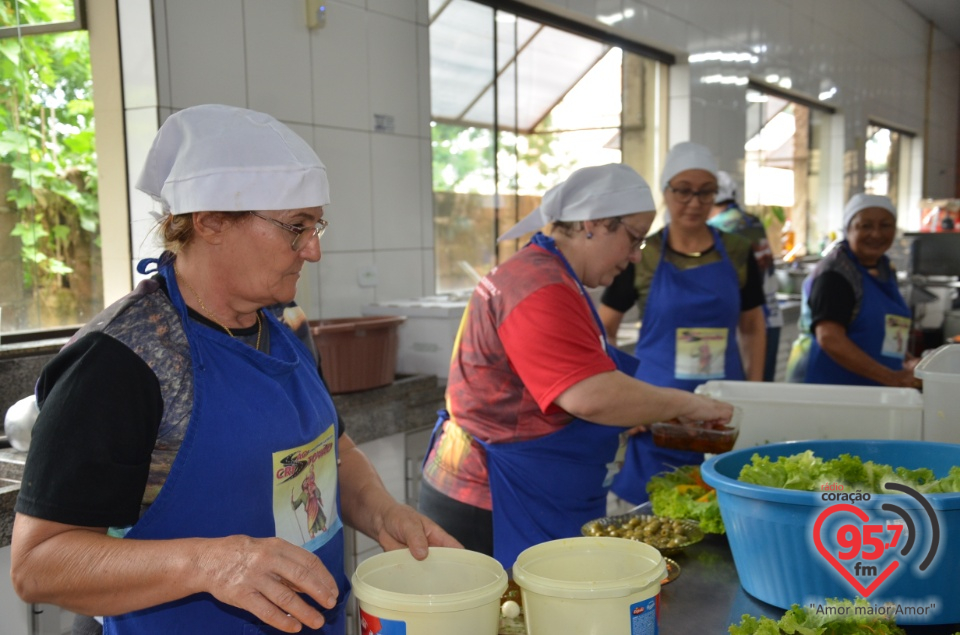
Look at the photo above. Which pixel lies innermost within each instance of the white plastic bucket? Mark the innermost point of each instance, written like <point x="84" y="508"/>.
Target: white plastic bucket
<point x="452" y="591"/>
<point x="590" y="585"/>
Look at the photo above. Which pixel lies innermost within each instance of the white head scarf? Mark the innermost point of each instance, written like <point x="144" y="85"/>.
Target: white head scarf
<point x="860" y="202"/>
<point x="687" y="155"/>
<point x="592" y="193"/>
<point x="221" y="158"/>
<point x="726" y="187"/>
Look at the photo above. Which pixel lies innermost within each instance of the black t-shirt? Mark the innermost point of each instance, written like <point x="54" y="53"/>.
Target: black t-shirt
<point x="632" y="285"/>
<point x="831" y="298"/>
<point x="114" y="404"/>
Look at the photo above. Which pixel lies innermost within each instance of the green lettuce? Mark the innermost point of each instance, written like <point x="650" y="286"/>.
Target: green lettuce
<point x="683" y="494"/>
<point x="806" y="472"/>
<point x="840" y="618"/>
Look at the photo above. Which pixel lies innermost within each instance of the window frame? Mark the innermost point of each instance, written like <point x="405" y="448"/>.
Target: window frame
<point x="79" y="23"/>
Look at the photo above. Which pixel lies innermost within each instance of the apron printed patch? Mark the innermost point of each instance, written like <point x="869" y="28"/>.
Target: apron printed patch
<point x="701" y="353"/>
<point x="896" y="331"/>
<point x="305" y="492"/>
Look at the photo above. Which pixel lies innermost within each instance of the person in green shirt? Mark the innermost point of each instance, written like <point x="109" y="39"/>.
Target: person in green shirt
<point x="729" y="217"/>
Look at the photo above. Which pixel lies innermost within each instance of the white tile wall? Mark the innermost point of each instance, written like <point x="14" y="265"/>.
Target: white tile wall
<point x="278" y="61"/>
<point x="372" y="57"/>
<point x="399" y="274"/>
<point x="396" y="191"/>
<point x="393" y="71"/>
<point x="346" y="153"/>
<point x="206" y="48"/>
<point x="139" y="71"/>
<point x="161" y="44"/>
<point x="341" y="69"/>
<point x="340" y="292"/>
<point x="403" y="9"/>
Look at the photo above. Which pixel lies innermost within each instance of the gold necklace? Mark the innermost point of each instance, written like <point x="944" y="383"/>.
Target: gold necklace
<point x="212" y="315"/>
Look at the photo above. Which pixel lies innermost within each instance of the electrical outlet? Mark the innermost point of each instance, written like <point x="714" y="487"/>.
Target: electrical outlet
<point x="367" y="276"/>
<point x="316" y="14"/>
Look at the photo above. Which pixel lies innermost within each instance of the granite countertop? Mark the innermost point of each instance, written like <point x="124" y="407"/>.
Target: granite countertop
<point x="409" y="403"/>
<point x="11" y="468"/>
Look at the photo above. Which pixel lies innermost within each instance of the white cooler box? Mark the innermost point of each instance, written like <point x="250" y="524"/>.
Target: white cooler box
<point x="774" y="412"/>
<point x="940" y="372"/>
<point x="425" y="339"/>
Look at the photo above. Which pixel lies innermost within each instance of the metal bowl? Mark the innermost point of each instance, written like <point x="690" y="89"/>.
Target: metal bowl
<point x="692" y="530"/>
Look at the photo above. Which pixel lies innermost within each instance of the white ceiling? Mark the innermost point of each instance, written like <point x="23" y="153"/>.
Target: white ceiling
<point x="945" y="14"/>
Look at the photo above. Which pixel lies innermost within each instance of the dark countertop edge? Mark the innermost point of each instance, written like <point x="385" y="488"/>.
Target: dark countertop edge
<point x="30" y="349"/>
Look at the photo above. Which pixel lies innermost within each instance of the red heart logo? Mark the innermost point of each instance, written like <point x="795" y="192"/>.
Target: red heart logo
<point x="862" y="515"/>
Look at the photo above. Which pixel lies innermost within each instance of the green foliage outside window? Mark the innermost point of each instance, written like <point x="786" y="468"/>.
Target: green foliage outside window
<point x="48" y="165"/>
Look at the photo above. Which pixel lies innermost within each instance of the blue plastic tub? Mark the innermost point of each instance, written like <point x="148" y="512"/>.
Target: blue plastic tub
<point x="771" y="533"/>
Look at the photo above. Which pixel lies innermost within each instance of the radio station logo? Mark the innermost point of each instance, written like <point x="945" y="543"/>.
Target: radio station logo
<point x="866" y="551"/>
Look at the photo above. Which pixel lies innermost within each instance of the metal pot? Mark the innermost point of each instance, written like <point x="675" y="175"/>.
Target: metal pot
<point x="791" y="280"/>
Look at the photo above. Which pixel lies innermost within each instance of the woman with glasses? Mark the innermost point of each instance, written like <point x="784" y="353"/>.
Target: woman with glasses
<point x="188" y="471"/>
<point x="538" y="403"/>
<point x="700" y="296"/>
<point x="854" y="323"/>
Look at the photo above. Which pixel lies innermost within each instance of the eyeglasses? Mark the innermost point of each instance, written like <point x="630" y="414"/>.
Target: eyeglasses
<point x="685" y="194"/>
<point x="869" y="227"/>
<point x="636" y="239"/>
<point x="299" y="230"/>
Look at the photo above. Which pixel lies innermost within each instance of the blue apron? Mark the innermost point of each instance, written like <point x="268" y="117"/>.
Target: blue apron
<point x="684" y="313"/>
<point x="262" y="432"/>
<point x="547" y="488"/>
<point x="880" y="330"/>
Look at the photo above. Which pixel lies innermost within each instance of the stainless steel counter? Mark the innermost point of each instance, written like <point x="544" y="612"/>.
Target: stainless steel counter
<point x="707" y="597"/>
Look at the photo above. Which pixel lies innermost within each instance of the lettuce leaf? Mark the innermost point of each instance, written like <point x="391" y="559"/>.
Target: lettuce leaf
<point x="681" y="493"/>
<point x="840" y="618"/>
<point x="805" y="472"/>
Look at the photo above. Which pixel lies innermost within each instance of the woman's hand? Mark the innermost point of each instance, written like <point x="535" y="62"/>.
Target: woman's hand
<point x="264" y="576"/>
<point x="904" y="379"/>
<point x="403" y="527"/>
<point x="369" y="508"/>
<point x="703" y="408"/>
<point x="86" y="571"/>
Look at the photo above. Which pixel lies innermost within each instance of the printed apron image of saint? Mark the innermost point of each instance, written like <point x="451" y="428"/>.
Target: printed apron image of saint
<point x="688" y="337"/>
<point x="261" y="430"/>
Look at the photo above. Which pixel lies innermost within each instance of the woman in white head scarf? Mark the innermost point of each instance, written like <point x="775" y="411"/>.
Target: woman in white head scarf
<point x="854" y="323"/>
<point x="700" y="296"/>
<point x="537" y="401"/>
<point x="195" y="425"/>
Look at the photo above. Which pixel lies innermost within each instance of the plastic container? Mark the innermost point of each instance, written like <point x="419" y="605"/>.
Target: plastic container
<point x="698" y="436"/>
<point x="452" y="591"/>
<point x="590" y="585"/>
<point x="357" y="353"/>
<point x="771" y="531"/>
<point x="425" y="340"/>
<point x="774" y="412"/>
<point x="940" y="372"/>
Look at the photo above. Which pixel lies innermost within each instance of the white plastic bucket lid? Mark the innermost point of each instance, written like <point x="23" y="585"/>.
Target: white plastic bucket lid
<point x="590" y="568"/>
<point x="448" y="580"/>
<point x="943" y="364"/>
